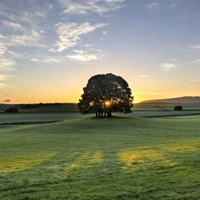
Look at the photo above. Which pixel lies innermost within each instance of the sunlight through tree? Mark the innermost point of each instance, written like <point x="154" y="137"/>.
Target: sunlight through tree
<point x="104" y="94"/>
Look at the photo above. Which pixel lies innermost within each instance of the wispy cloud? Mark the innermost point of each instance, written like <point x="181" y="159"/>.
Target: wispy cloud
<point x="85" y="56"/>
<point x="6" y="100"/>
<point x="48" y="59"/>
<point x="167" y="66"/>
<point x="104" y="32"/>
<point x="3" y="77"/>
<point x="144" y="76"/>
<point x="31" y="38"/>
<point x="91" y="6"/>
<point x="150" y="93"/>
<point x="13" y="25"/>
<point x="191" y="87"/>
<point x="172" y="5"/>
<point x="6" y="64"/>
<point x="196" y="62"/>
<point x="2" y="85"/>
<point x="172" y="60"/>
<point x="195" y="46"/>
<point x="153" y="6"/>
<point x="70" y="33"/>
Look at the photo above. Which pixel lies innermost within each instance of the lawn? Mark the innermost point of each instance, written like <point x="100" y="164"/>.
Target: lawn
<point x="119" y="158"/>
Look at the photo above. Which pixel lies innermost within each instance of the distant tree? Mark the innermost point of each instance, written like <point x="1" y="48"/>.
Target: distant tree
<point x="11" y="110"/>
<point x="178" y="108"/>
<point x="104" y="94"/>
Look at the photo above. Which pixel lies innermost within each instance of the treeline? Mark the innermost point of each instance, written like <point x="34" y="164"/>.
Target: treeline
<point x="39" y="105"/>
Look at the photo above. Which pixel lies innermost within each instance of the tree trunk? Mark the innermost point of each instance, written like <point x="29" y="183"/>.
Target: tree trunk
<point x="109" y="114"/>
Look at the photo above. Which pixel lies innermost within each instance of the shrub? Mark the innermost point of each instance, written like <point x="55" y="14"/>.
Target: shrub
<point x="11" y="110"/>
<point x="178" y="108"/>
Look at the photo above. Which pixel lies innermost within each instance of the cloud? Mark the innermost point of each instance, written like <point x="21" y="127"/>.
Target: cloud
<point x="191" y="87"/>
<point x="6" y="64"/>
<point x="3" y="77"/>
<point x="6" y="61"/>
<point x="144" y="76"/>
<point x="153" y="6"/>
<point x="172" y="5"/>
<point x="48" y="59"/>
<point x="104" y="32"/>
<point x="150" y="93"/>
<point x="173" y="60"/>
<point x="13" y="25"/>
<point x="167" y="66"/>
<point x="195" y="46"/>
<point x="90" y="6"/>
<point x="31" y="38"/>
<point x="196" y="62"/>
<point x="50" y="7"/>
<point x="2" y="85"/>
<point x="84" y="56"/>
<point x="3" y="49"/>
<point x="69" y="34"/>
<point x="7" y="100"/>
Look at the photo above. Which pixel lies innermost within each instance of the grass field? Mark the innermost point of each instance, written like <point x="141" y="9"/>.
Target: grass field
<point x="37" y="117"/>
<point x="119" y="158"/>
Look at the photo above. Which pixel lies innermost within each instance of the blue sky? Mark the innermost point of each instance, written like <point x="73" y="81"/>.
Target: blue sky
<point x="49" y="49"/>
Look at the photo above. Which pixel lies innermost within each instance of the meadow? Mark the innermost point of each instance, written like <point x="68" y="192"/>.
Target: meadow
<point x="87" y="158"/>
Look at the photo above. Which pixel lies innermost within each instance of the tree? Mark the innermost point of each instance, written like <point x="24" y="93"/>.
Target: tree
<point x="11" y="110"/>
<point x="178" y="108"/>
<point x="104" y="94"/>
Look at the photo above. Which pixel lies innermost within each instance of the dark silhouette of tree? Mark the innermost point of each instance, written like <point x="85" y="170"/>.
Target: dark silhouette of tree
<point x="104" y="94"/>
<point x="11" y="110"/>
<point x="178" y="108"/>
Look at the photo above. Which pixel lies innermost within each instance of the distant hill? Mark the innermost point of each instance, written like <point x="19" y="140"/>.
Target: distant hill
<point x="178" y="100"/>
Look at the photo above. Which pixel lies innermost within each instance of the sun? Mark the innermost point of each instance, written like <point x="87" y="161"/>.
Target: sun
<point x="107" y="103"/>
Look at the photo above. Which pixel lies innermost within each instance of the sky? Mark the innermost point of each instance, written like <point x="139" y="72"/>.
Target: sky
<point x="50" y="48"/>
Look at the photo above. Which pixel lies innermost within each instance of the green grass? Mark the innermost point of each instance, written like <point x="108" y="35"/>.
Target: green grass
<point x="120" y="158"/>
<point x="37" y="117"/>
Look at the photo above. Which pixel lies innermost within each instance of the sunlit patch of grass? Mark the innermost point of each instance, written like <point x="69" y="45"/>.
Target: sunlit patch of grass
<point x="12" y="164"/>
<point x="183" y="147"/>
<point x="96" y="158"/>
<point x="133" y="160"/>
<point x="79" y="162"/>
<point x="83" y="161"/>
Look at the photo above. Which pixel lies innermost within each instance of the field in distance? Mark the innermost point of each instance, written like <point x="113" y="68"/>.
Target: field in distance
<point x="120" y="158"/>
<point x="188" y="104"/>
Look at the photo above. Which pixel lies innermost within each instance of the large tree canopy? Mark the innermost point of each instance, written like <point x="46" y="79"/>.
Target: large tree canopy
<point x="104" y="94"/>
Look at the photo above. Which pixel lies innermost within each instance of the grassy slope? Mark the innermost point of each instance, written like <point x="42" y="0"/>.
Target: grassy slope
<point x="37" y="117"/>
<point x="120" y="158"/>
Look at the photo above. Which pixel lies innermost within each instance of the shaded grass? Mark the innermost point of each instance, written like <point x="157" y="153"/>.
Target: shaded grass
<point x="119" y="158"/>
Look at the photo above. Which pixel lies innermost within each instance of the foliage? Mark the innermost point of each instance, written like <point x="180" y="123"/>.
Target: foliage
<point x="39" y="105"/>
<point x="11" y="110"/>
<point x="104" y="94"/>
<point x="178" y="108"/>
